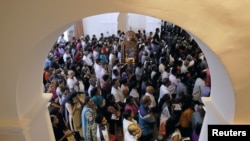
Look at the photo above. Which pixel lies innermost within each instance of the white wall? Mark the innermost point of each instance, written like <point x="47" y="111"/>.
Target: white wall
<point x="69" y="33"/>
<point x="108" y="24"/>
<point x="103" y="23"/>
<point x="136" y="22"/>
<point x="152" y="23"/>
<point x="140" y="22"/>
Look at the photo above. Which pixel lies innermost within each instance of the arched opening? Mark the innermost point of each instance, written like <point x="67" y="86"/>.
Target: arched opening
<point x="223" y="110"/>
<point x="204" y="47"/>
<point x="168" y="33"/>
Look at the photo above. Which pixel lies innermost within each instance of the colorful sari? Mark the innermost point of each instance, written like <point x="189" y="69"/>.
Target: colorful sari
<point x="88" y="123"/>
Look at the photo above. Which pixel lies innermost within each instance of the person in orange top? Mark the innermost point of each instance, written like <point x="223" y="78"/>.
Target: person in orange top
<point x="46" y="75"/>
<point x="185" y="120"/>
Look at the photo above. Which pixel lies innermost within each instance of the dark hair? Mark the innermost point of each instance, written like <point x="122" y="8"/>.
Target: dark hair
<point x="113" y="81"/>
<point x="127" y="113"/>
<point x="124" y="67"/>
<point x="203" y="75"/>
<point x="98" y="60"/>
<point x="105" y="77"/>
<point x="133" y="84"/>
<point x="171" y="124"/>
<point x="115" y="71"/>
<point x="128" y="99"/>
<point x="139" y="64"/>
<point x="52" y="117"/>
<point x="64" y="88"/>
<point x="166" y="81"/>
<point x="174" y="71"/>
<point x="98" y="118"/>
<point x="58" y="71"/>
<point x="59" y="81"/>
<point x="163" y="59"/>
<point x="166" y="97"/>
<point x="123" y="81"/>
<point x="183" y="77"/>
<point x="110" y="98"/>
<point x="93" y="91"/>
<point x="87" y="98"/>
<point x="116" y="62"/>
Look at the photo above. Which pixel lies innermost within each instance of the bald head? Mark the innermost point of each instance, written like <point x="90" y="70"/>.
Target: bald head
<point x="71" y="73"/>
<point x="134" y="129"/>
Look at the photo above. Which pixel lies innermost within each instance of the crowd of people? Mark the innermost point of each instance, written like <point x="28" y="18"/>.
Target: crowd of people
<point x="97" y="97"/>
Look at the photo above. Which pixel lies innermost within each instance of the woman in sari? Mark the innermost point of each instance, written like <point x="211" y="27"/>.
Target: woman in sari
<point x="88" y="120"/>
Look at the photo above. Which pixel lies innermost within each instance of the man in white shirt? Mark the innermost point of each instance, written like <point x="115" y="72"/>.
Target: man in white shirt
<point x="134" y="92"/>
<point x="72" y="82"/>
<point x="116" y="67"/>
<point x="164" y="88"/>
<point x="184" y="66"/>
<point x="198" y="86"/>
<point x="96" y="53"/>
<point x="92" y="82"/>
<point x="98" y="68"/>
<point x="162" y="66"/>
<point x="61" y="41"/>
<point x="174" y="81"/>
<point x="104" y="70"/>
<point x="164" y="75"/>
<point x="112" y="58"/>
<point x="66" y="55"/>
<point x="88" y="59"/>
<point x="138" y="72"/>
<point x="116" y="91"/>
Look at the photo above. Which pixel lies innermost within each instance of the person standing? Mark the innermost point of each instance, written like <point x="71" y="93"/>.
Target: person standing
<point x="150" y="93"/>
<point x="72" y="82"/>
<point x="113" y="116"/>
<point x="156" y="40"/>
<point x="164" y="89"/>
<point x="128" y="118"/>
<point x="61" y="41"/>
<point x="146" y="119"/>
<point x="59" y="133"/>
<point x="88" y="120"/>
<point x="102" y="128"/>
